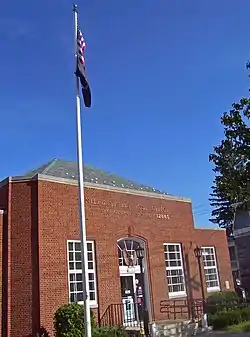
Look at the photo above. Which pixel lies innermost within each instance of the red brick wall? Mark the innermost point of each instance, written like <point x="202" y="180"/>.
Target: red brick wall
<point x="44" y="215"/>
<point x="5" y="191"/>
<point x="1" y="262"/>
<point x="20" y="301"/>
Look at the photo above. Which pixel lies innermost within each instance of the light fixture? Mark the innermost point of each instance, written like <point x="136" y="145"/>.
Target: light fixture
<point x="198" y="252"/>
<point x="139" y="252"/>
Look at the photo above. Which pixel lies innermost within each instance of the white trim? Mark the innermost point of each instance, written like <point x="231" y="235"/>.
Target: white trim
<point x="217" y="288"/>
<point x="147" y="288"/>
<point x="125" y="270"/>
<point x="98" y="187"/>
<point x="93" y="304"/>
<point x="176" y="294"/>
<point x="1" y="211"/>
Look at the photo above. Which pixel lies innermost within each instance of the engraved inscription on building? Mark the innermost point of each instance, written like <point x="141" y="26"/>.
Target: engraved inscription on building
<point x="123" y="208"/>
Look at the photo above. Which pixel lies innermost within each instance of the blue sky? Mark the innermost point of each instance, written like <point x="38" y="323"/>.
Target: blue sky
<point x="162" y="72"/>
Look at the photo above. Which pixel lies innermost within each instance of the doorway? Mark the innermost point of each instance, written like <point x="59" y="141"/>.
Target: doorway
<point x="132" y="281"/>
<point x="130" y="313"/>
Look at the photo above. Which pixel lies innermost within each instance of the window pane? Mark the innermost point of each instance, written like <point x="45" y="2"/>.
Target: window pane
<point x="71" y="265"/>
<point x="78" y="256"/>
<point x="91" y="276"/>
<point x="78" y="247"/>
<point x="71" y="256"/>
<point x="79" y="286"/>
<point x="173" y="264"/>
<point x="91" y="286"/>
<point x="73" y="297"/>
<point x="90" y="256"/>
<point x="89" y="247"/>
<point x="80" y="297"/>
<point x="92" y="296"/>
<point x="78" y="265"/>
<point x="90" y="265"/>
<point x="79" y="277"/>
<point x="70" y="246"/>
<point x="170" y="248"/>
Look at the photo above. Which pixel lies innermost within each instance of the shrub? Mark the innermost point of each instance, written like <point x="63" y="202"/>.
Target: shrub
<point x="245" y="314"/>
<point x="117" y="331"/>
<point x="223" y="319"/>
<point x="220" y="301"/>
<point x="233" y="316"/>
<point x="246" y="327"/>
<point x="69" y="321"/>
<point x="218" y="322"/>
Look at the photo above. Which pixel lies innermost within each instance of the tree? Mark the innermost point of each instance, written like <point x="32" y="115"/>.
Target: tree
<point x="231" y="159"/>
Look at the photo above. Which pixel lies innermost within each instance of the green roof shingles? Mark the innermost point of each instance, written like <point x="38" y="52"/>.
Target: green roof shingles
<point x="68" y="170"/>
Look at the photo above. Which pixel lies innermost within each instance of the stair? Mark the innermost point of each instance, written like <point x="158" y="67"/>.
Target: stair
<point x="177" y="328"/>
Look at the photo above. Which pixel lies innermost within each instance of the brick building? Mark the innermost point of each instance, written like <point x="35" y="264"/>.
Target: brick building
<point x="40" y="246"/>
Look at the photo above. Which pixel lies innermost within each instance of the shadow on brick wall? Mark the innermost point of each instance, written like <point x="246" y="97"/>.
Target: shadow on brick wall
<point x="191" y="282"/>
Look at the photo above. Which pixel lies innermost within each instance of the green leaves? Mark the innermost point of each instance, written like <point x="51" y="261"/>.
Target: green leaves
<point x="69" y="321"/>
<point x="231" y="159"/>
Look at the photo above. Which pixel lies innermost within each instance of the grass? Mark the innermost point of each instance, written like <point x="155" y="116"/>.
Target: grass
<point x="241" y="327"/>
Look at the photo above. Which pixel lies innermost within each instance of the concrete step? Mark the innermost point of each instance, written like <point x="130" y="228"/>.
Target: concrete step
<point x="177" y="328"/>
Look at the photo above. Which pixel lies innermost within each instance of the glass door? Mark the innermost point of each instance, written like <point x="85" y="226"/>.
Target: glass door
<point x="128" y="299"/>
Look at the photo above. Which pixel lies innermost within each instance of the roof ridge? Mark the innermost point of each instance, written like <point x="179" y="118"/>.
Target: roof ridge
<point x="50" y="165"/>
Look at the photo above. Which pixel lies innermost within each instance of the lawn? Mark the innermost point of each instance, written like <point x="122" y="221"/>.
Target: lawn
<point x="241" y="327"/>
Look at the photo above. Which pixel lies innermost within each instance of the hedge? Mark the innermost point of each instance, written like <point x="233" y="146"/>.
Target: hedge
<point x="220" y="301"/>
<point x="223" y="319"/>
<point x="69" y="322"/>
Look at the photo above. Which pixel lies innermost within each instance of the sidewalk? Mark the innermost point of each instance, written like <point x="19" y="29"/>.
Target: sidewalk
<point x="228" y="334"/>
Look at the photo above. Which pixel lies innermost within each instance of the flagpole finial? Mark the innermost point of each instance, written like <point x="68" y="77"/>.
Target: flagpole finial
<point x="75" y="8"/>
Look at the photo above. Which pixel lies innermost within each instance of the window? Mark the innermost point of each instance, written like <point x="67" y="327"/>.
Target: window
<point x="210" y="268"/>
<point x="174" y="269"/>
<point x="75" y="272"/>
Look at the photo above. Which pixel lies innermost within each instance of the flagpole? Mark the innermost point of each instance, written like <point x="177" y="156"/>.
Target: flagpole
<point x="87" y="319"/>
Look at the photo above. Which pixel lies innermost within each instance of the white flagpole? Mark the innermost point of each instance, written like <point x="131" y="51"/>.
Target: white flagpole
<point x="87" y="319"/>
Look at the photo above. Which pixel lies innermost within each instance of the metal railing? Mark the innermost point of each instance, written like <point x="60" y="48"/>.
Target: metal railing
<point x="130" y="315"/>
<point x="182" y="309"/>
<point x="127" y="314"/>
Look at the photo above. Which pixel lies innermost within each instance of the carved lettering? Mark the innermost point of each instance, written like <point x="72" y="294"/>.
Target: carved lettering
<point x="124" y="209"/>
<point x="141" y="208"/>
<point x="160" y="209"/>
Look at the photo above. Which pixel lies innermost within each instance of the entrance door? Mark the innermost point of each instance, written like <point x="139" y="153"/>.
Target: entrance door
<point x="128" y="299"/>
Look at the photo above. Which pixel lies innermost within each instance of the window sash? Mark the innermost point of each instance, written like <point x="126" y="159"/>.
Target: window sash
<point x="174" y="269"/>
<point x="75" y="272"/>
<point x="210" y="268"/>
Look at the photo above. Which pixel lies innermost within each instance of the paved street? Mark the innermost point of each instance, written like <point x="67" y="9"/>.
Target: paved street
<point x="227" y="334"/>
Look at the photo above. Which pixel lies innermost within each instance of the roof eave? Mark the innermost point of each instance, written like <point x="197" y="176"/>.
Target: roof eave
<point x="72" y="182"/>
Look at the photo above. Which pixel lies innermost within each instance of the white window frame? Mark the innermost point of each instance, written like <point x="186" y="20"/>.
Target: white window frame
<point x="93" y="303"/>
<point x="217" y="288"/>
<point x="182" y="293"/>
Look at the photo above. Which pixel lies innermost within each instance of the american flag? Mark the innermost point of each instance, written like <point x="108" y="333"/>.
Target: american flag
<point x="80" y="69"/>
<point x="81" y="45"/>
